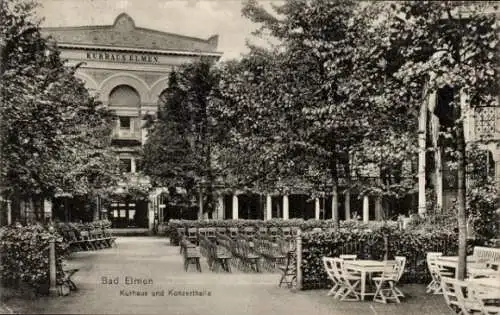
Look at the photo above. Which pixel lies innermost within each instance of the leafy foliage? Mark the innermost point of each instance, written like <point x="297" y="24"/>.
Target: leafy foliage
<point x="54" y="135"/>
<point x="25" y="255"/>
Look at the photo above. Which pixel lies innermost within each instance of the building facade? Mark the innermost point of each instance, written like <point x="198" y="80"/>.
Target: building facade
<point x="127" y="68"/>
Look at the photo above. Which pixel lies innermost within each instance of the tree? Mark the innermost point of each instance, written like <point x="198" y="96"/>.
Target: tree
<point x="54" y="136"/>
<point x="445" y="44"/>
<point x="178" y="153"/>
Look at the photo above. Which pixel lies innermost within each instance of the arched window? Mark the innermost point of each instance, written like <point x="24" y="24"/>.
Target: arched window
<point x="126" y="102"/>
<point x="124" y="96"/>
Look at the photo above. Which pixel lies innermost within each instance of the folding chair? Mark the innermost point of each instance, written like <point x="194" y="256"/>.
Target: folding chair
<point x="435" y="285"/>
<point x="481" y="295"/>
<point x="329" y="265"/>
<point x="455" y="292"/>
<point x="289" y="275"/>
<point x="402" y="263"/>
<point x="350" y="280"/>
<point x="386" y="283"/>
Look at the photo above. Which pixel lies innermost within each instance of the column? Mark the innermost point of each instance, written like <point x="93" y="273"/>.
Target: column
<point x="200" y="207"/>
<point x="220" y="207"/>
<point x="151" y="215"/>
<point x="316" y="208"/>
<point x="285" y="207"/>
<point x="132" y="165"/>
<point x="335" y="205"/>
<point x="235" y="206"/>
<point x="366" y="209"/>
<point x="347" y="205"/>
<point x="496" y="158"/>
<point x="269" y="207"/>
<point x="378" y="208"/>
<point x="9" y="212"/>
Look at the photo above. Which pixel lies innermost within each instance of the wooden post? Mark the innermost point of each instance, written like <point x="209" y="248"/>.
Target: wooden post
<point x="269" y="207"/>
<point x="366" y="209"/>
<point x="52" y="270"/>
<point x="299" y="259"/>
<point x="285" y="207"/>
<point x="235" y="207"/>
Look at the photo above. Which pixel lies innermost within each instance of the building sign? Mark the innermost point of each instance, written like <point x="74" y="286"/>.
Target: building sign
<point x="122" y="57"/>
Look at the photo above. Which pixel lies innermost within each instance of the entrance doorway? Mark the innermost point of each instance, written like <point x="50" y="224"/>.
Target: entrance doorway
<point x="128" y="213"/>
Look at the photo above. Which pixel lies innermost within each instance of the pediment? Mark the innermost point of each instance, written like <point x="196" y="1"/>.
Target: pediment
<point x="124" y="33"/>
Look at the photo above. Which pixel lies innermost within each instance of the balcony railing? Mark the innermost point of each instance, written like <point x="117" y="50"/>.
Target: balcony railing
<point x="485" y="124"/>
<point x="125" y="134"/>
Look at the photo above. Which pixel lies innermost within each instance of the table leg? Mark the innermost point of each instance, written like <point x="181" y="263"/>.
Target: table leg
<point x="363" y="285"/>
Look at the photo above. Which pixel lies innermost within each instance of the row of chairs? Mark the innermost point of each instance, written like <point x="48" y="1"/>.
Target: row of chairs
<point x="85" y="240"/>
<point x="190" y="253"/>
<point x="234" y="232"/>
<point x="218" y="257"/>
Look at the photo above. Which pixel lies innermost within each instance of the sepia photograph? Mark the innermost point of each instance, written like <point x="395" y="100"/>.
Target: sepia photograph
<point x="322" y="157"/>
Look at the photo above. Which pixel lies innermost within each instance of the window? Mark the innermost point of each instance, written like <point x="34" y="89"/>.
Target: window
<point x="125" y="165"/>
<point x="124" y="122"/>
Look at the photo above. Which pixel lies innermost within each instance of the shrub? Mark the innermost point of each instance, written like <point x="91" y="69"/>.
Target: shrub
<point x="25" y="256"/>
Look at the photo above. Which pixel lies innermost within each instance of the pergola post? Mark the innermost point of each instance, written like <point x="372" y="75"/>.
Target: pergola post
<point x="269" y="207"/>
<point x="285" y="207"/>
<point x="316" y="208"/>
<point x="366" y="209"/>
<point x="235" y="206"/>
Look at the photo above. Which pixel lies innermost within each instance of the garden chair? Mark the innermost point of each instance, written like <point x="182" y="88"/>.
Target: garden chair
<point x="192" y="235"/>
<point x="192" y="257"/>
<point x="457" y="297"/>
<point x="286" y="233"/>
<point x="202" y="232"/>
<point x="401" y="260"/>
<point x="211" y="234"/>
<point x="351" y="281"/>
<point x="481" y="295"/>
<point x="262" y="231"/>
<point x="221" y="230"/>
<point x="273" y="232"/>
<point x="249" y="232"/>
<point x="233" y="232"/>
<point x="435" y="285"/>
<point x="88" y="242"/>
<point x="289" y="274"/>
<point x="385" y="284"/>
<point x="329" y="265"/>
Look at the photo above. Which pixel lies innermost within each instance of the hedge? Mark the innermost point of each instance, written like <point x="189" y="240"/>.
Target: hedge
<point x="25" y="256"/>
<point x="369" y="244"/>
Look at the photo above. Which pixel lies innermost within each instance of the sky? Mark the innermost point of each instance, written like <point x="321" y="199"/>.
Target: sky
<point x="198" y="18"/>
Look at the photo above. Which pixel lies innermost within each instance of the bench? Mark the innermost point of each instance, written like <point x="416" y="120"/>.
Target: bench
<point x="486" y="254"/>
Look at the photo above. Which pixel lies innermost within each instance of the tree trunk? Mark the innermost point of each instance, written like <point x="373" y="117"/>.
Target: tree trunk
<point x="462" y="222"/>
<point x="422" y="132"/>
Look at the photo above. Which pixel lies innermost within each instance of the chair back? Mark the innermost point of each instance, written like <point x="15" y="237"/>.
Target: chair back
<point x="401" y="260"/>
<point x="431" y="261"/>
<point x="338" y="269"/>
<point x="192" y="232"/>
<point x="317" y="229"/>
<point x="262" y="230"/>
<point x="202" y="231"/>
<point x="480" y="294"/>
<point x="390" y="270"/>
<point x="211" y="233"/>
<point x="329" y="265"/>
<point x="233" y="232"/>
<point x="348" y="257"/>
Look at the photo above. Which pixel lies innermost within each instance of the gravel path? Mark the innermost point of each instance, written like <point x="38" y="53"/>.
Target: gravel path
<point x="158" y="266"/>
